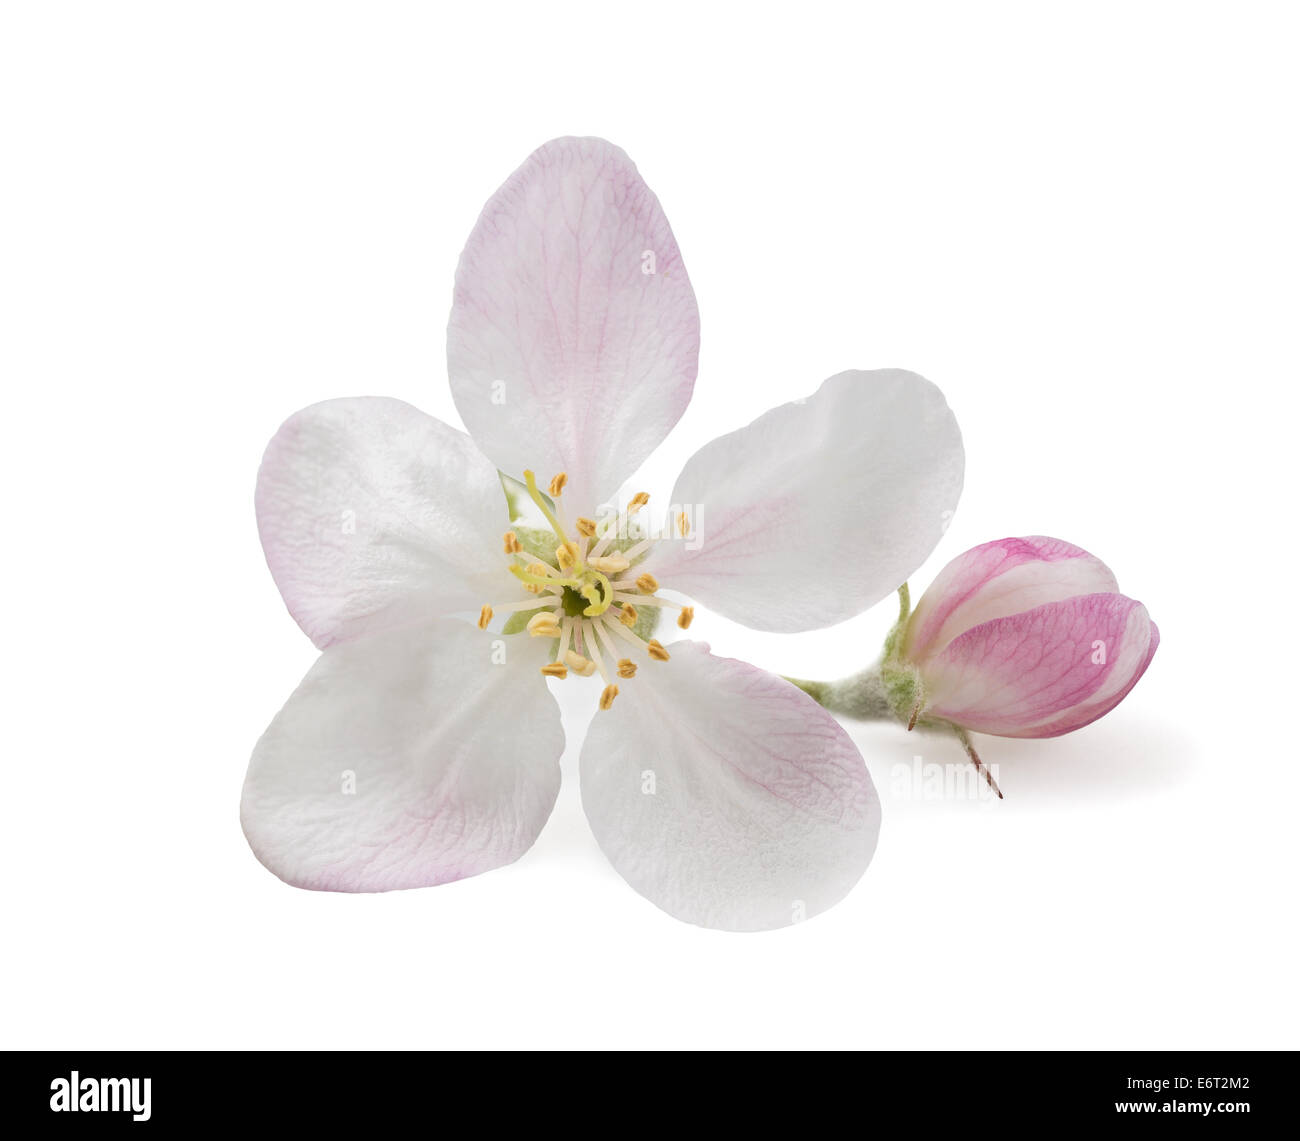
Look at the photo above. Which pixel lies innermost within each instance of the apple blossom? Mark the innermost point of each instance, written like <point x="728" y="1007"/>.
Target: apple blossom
<point x="1015" y="638"/>
<point x="420" y="749"/>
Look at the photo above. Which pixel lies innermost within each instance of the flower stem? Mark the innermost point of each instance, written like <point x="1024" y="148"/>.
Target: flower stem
<point x="861" y="696"/>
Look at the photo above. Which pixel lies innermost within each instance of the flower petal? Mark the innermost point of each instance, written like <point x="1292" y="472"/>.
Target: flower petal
<point x="574" y="335"/>
<point x="818" y="509"/>
<point x="998" y="579"/>
<point x="726" y="796"/>
<point x="1132" y="665"/>
<point x="373" y="515"/>
<point x="1043" y="672"/>
<point x="454" y="760"/>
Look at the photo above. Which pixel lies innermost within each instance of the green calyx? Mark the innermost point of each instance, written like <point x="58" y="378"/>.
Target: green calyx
<point x="901" y="680"/>
<point x="892" y="688"/>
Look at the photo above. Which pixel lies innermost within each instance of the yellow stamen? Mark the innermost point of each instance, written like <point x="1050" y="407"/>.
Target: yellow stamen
<point x="544" y="625"/>
<point x="511" y="541"/>
<point x="557" y="485"/>
<point x="484" y="617"/>
<point x="686" y="617"/>
<point x="628" y="614"/>
<point x="580" y="665"/>
<point x="566" y="554"/>
<point x="626" y="668"/>
<point x="607" y="696"/>
<point x="586" y="526"/>
<point x="639" y="500"/>
<point x="610" y="564"/>
<point x="555" y="669"/>
<point x="683" y="526"/>
<point x="531" y="481"/>
<point x="656" y="650"/>
<point x="647" y="583"/>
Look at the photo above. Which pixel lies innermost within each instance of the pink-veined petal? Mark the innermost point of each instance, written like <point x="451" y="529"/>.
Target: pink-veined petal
<point x="574" y="334"/>
<point x="725" y="795"/>
<point x="1124" y="677"/>
<point x="374" y="515"/>
<point x="998" y="579"/>
<point x="1029" y="674"/>
<point x="410" y="758"/>
<point x="819" y="508"/>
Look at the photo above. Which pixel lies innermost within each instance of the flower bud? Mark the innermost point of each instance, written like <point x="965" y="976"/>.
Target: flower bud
<point x="1020" y="638"/>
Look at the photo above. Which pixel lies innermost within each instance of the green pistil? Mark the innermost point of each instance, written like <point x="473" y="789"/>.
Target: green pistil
<point x="541" y="579"/>
<point x="599" y="584"/>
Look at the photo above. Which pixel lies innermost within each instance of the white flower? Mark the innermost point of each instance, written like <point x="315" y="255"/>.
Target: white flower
<point x="420" y="749"/>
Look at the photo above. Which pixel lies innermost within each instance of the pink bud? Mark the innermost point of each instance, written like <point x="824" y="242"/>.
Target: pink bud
<point x="1026" y="638"/>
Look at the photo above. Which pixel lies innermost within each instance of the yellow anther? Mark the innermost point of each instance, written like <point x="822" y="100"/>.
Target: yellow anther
<point x="626" y="668"/>
<point x="579" y="665"/>
<point x="656" y="651"/>
<point x="628" y="614"/>
<point x="484" y="617"/>
<point x="566" y="554"/>
<point x="686" y="617"/>
<point x="639" y="500"/>
<point x="555" y="669"/>
<point x="609" y="564"/>
<point x="544" y="625"/>
<point x="557" y="484"/>
<point x="511" y="541"/>
<point x="647" y="583"/>
<point x="586" y="526"/>
<point x="683" y="526"/>
<point x="607" y="696"/>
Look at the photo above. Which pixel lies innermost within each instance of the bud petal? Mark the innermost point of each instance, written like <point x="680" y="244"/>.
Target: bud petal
<point x="1026" y="638"/>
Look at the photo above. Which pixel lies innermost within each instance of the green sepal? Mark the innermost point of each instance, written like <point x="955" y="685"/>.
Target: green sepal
<point x="647" y="620"/>
<point x="903" y="690"/>
<point x="621" y="543"/>
<point x="517" y="623"/>
<point x="540" y="542"/>
<point x="891" y="689"/>
<point x="516" y="495"/>
<point x="893" y="649"/>
<point x="519" y="502"/>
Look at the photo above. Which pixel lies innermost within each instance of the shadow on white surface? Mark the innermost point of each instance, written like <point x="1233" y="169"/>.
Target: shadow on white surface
<point x="1104" y="762"/>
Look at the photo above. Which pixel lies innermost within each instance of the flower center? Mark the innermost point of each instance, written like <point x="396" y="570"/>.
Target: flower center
<point x="593" y="596"/>
<point x="572" y="602"/>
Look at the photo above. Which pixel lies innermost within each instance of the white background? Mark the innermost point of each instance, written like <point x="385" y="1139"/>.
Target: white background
<point x="1080" y="220"/>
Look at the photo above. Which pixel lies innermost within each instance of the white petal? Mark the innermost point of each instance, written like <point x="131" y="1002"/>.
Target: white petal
<point x="454" y="760"/>
<point x="374" y="514"/>
<point x="565" y="354"/>
<point x="725" y="795"/>
<point x="818" y="509"/>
